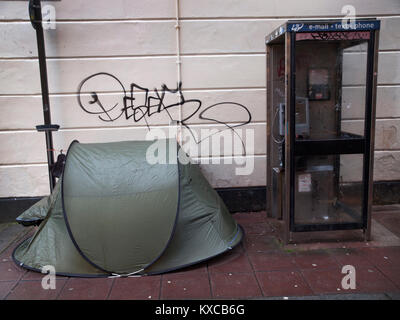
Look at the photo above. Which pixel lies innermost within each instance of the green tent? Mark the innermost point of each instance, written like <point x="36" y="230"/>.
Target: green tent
<point x="114" y="213"/>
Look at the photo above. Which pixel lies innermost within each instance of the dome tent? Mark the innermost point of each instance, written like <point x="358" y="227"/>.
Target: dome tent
<point x="114" y="213"/>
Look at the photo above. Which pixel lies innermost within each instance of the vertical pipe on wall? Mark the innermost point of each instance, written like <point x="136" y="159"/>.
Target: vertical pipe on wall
<point x="178" y="64"/>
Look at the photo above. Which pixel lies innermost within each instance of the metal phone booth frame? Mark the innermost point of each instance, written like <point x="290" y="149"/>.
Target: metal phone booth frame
<point x="320" y="149"/>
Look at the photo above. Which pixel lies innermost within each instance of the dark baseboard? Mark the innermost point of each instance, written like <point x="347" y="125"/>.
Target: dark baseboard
<point x="243" y="199"/>
<point x="386" y="192"/>
<point x="11" y="208"/>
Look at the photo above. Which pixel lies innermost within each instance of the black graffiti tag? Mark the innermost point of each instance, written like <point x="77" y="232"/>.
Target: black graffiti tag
<point x="155" y="103"/>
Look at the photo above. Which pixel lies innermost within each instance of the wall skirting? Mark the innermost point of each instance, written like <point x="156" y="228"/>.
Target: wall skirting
<point x="243" y="199"/>
<point x="10" y="208"/>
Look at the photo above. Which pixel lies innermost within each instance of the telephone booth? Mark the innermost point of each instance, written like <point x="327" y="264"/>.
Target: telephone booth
<point x="321" y="93"/>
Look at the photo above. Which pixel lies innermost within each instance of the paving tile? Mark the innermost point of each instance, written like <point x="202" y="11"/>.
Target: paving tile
<point x="381" y="236"/>
<point x="260" y="243"/>
<point x="86" y="289"/>
<point x="391" y="220"/>
<point x="371" y="280"/>
<point x="33" y="275"/>
<point x="272" y="261"/>
<point x="352" y="257"/>
<point x="320" y="239"/>
<point x="283" y="283"/>
<point x="32" y="290"/>
<point x="393" y="273"/>
<point x="238" y="248"/>
<point x="314" y="259"/>
<point x="230" y="262"/>
<point x="5" y="287"/>
<point x="250" y="217"/>
<point x="10" y="271"/>
<point x="323" y="281"/>
<point x="9" y="232"/>
<point x="185" y="286"/>
<point x="137" y="288"/>
<point x="193" y="269"/>
<point x="260" y="228"/>
<point x="277" y="225"/>
<point x="368" y="280"/>
<point x="234" y="285"/>
<point x="383" y="256"/>
<point x="328" y="244"/>
<point x="5" y="256"/>
<point x="393" y="295"/>
<point x="386" y="207"/>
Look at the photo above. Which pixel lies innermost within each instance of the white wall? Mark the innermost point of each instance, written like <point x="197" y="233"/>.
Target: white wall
<point x="223" y="59"/>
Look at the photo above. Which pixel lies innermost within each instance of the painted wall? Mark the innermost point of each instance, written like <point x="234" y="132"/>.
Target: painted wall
<point x="222" y="59"/>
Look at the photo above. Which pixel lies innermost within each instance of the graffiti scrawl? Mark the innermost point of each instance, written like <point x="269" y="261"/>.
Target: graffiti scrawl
<point x="135" y="109"/>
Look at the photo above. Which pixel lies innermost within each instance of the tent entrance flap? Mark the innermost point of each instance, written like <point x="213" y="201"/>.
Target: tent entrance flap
<point x="116" y="193"/>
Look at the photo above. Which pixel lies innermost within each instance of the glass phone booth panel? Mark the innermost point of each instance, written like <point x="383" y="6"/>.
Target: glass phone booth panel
<point x="321" y="91"/>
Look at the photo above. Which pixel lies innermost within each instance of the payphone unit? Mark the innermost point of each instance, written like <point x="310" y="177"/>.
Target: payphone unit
<point x="321" y="93"/>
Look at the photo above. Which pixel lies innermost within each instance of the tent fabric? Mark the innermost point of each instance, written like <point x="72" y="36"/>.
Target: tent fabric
<point x="112" y="212"/>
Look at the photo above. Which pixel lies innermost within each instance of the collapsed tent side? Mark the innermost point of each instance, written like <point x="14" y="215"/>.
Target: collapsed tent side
<point x="51" y="244"/>
<point x="115" y="191"/>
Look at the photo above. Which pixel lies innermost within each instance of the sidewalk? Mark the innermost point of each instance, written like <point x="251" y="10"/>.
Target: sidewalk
<point x="259" y="268"/>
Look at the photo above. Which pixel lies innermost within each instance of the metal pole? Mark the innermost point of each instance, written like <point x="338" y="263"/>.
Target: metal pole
<point x="35" y="13"/>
